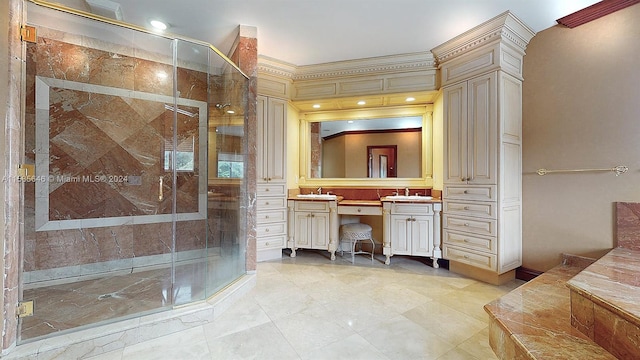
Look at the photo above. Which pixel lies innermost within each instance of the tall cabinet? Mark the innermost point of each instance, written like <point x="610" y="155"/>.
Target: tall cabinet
<point x="271" y="208"/>
<point x="482" y="123"/>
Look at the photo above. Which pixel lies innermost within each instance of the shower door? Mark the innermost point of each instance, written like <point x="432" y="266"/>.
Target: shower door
<point x="115" y="175"/>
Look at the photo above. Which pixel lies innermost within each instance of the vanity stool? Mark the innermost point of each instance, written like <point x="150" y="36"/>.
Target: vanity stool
<point x="354" y="233"/>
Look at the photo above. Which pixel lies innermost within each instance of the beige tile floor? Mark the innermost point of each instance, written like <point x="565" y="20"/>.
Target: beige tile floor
<point x="311" y="308"/>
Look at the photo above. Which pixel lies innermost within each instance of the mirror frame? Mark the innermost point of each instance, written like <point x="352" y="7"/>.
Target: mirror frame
<point x="426" y="111"/>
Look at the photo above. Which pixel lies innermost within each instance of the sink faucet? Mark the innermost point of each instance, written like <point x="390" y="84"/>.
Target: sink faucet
<point x="406" y="191"/>
<point x="319" y="191"/>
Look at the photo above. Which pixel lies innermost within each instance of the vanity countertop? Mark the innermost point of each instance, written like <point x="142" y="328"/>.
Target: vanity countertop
<point x="296" y="198"/>
<point x="411" y="199"/>
<point x="360" y="203"/>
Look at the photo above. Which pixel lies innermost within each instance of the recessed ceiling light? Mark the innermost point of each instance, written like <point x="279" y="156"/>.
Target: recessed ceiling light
<point x="350" y="122"/>
<point x="362" y="102"/>
<point x="157" y="24"/>
<point x="230" y="112"/>
<point x="410" y="99"/>
<point x="316" y="106"/>
<point x="162" y="75"/>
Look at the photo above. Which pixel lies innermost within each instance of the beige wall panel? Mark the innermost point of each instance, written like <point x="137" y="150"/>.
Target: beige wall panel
<point x="581" y="109"/>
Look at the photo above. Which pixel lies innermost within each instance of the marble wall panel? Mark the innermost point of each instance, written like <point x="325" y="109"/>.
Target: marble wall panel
<point x="152" y="239"/>
<point x="616" y="335"/>
<point x="628" y="225"/>
<point x="96" y="134"/>
<point x="191" y="235"/>
<point x="582" y="314"/>
<point x="82" y="246"/>
<point x="246" y="56"/>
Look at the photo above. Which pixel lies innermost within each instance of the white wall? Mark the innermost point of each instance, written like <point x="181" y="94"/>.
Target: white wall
<point x="581" y="109"/>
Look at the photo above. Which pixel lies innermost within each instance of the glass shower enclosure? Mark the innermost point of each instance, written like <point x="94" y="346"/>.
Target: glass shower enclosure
<point x="134" y="157"/>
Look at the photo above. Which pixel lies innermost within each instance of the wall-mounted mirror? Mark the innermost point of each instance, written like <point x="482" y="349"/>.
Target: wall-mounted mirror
<point x="348" y="145"/>
<point x="353" y="148"/>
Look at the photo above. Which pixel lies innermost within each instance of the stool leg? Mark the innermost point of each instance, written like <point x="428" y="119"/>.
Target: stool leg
<point x="373" y="248"/>
<point x="353" y="251"/>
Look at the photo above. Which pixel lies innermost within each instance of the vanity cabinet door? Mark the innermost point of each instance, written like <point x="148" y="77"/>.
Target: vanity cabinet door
<point x="401" y="234"/>
<point x="311" y="230"/>
<point x="320" y="231"/>
<point x="422" y="236"/>
<point x="303" y="230"/>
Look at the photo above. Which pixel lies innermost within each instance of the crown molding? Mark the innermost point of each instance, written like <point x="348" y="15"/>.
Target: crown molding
<point x="340" y="69"/>
<point x="505" y="27"/>
<point x="368" y="66"/>
<point x="274" y="67"/>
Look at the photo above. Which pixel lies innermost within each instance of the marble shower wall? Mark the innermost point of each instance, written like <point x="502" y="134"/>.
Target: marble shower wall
<point x="93" y="135"/>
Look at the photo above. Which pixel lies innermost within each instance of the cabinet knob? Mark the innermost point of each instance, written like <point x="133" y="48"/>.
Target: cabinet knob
<point x="465" y="192"/>
<point x="267" y="189"/>
<point x="466" y="224"/>
<point x="267" y="203"/>
<point x="466" y="256"/>
<point x="359" y="210"/>
<point x="266" y="216"/>
<point x="266" y="230"/>
<point x="266" y="244"/>
<point x="466" y="208"/>
<point x="465" y="240"/>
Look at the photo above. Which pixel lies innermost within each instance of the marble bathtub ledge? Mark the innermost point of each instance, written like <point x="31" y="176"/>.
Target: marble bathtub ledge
<point x="533" y="321"/>
<point x="101" y="339"/>
<point x="612" y="283"/>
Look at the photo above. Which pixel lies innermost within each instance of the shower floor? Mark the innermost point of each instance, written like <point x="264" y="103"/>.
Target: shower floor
<point x="72" y="305"/>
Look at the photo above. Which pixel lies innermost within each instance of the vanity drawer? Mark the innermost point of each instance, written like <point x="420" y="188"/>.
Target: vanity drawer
<point x="274" y="229"/>
<point x="477" y="209"/>
<point x="473" y="258"/>
<point x="469" y="241"/>
<point x="466" y="192"/>
<point x="271" y="189"/>
<point x="476" y="226"/>
<point x="271" y="242"/>
<point x="318" y="206"/>
<point x="271" y="203"/>
<point x="411" y="209"/>
<point x="269" y="216"/>
<point x="359" y="210"/>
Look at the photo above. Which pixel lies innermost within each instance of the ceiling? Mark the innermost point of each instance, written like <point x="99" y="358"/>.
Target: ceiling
<point x="306" y="32"/>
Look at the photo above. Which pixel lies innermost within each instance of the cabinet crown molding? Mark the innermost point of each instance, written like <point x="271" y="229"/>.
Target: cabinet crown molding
<point x="347" y="68"/>
<point x="505" y="27"/>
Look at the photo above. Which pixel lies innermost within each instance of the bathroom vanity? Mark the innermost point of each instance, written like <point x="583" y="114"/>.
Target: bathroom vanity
<point x="411" y="226"/>
<point x="313" y="223"/>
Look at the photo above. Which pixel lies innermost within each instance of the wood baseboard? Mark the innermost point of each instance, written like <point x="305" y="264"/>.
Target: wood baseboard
<point x="525" y="274"/>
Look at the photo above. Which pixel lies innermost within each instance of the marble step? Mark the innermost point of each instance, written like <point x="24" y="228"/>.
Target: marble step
<point x="534" y="320"/>
<point x="605" y="302"/>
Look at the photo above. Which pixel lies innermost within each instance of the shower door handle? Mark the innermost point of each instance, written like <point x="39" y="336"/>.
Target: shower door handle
<point x="160" y="196"/>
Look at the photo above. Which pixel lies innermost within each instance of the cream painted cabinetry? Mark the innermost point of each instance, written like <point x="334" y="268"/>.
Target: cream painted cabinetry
<point x="271" y="207"/>
<point x="313" y="225"/>
<point x="411" y="229"/>
<point x="271" y="147"/>
<point x="482" y="191"/>
<point x="471" y="128"/>
<point x="481" y="74"/>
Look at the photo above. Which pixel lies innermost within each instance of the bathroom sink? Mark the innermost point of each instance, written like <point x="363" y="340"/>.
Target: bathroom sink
<point x="408" y="197"/>
<point x="317" y="196"/>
